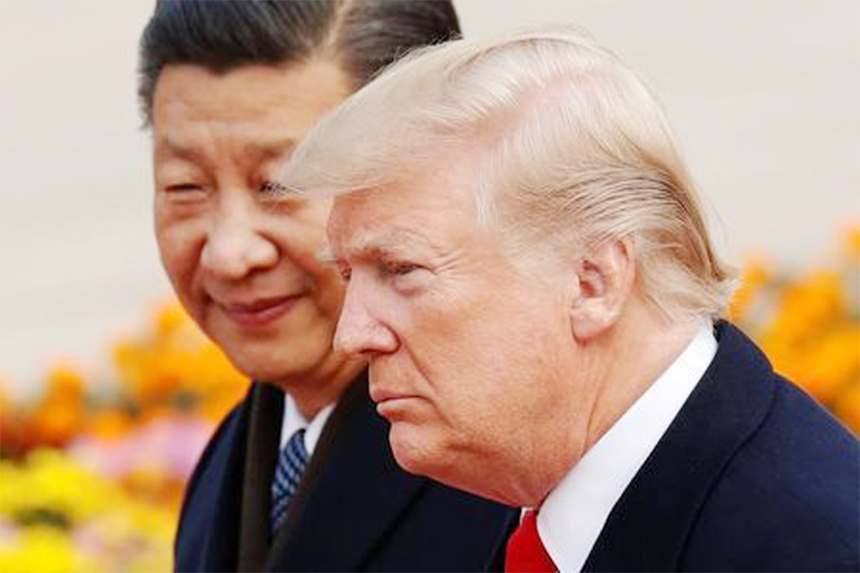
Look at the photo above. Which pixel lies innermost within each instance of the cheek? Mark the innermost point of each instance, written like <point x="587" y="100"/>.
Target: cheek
<point x="299" y="235"/>
<point x="456" y="365"/>
<point x="486" y="357"/>
<point x="303" y="247"/>
<point x="179" y="245"/>
<point x="330" y="291"/>
<point x="452" y="332"/>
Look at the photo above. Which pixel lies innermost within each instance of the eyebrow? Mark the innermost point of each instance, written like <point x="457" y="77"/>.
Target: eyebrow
<point x="275" y="148"/>
<point x="266" y="150"/>
<point x="168" y="146"/>
<point x="389" y="244"/>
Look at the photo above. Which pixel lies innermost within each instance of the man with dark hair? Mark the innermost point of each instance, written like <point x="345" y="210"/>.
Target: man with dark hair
<point x="300" y="475"/>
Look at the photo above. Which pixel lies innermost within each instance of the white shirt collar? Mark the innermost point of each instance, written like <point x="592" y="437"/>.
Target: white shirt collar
<point x="571" y="518"/>
<point x="293" y="421"/>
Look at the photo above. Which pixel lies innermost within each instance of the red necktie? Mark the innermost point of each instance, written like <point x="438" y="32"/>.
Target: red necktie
<point x="525" y="552"/>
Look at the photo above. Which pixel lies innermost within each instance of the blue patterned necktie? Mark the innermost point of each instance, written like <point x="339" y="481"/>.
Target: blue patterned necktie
<point x="291" y="465"/>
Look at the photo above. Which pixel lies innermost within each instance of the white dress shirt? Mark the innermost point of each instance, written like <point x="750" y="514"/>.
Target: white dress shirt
<point x="293" y="421"/>
<point x="572" y="516"/>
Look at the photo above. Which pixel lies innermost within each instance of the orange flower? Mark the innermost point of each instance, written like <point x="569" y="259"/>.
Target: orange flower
<point x="109" y="424"/>
<point x="832" y="363"/>
<point x="811" y="332"/>
<point x="13" y="436"/>
<point x="169" y="317"/>
<point x="65" y="382"/>
<point x="852" y="243"/>
<point x="808" y="308"/>
<point x="60" y="414"/>
<point x="55" y="423"/>
<point x="847" y="408"/>
<point x="755" y="276"/>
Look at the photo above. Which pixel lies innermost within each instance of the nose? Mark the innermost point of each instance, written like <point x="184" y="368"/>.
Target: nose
<point x="358" y="333"/>
<point x="235" y="244"/>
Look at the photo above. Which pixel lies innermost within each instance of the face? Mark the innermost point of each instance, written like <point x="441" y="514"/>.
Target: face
<point x="241" y="257"/>
<point x="468" y="355"/>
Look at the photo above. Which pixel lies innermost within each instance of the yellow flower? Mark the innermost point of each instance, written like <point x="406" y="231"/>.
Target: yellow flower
<point x="95" y="524"/>
<point x="51" y="480"/>
<point x="45" y="549"/>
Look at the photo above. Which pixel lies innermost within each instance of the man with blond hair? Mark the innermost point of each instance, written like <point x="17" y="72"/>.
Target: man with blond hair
<point x="532" y="282"/>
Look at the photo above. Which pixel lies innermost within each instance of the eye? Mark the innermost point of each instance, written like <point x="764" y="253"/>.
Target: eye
<point x="183" y="188"/>
<point x="184" y="193"/>
<point x="400" y="269"/>
<point x="273" y="188"/>
<point x="405" y="277"/>
<point x="281" y="198"/>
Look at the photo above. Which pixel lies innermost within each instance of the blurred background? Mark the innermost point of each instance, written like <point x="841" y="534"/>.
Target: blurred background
<point x="108" y="392"/>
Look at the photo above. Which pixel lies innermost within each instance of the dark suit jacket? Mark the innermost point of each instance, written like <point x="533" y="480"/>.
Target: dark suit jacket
<point x="355" y="509"/>
<point x="752" y="475"/>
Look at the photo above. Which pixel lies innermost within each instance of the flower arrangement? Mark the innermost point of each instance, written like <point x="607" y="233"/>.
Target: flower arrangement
<point x="56" y="515"/>
<point x="809" y="325"/>
<point x="93" y="482"/>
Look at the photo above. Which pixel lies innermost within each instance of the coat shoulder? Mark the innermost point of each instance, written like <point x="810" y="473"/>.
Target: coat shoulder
<point x="217" y="450"/>
<point x="789" y="497"/>
<point x="200" y="500"/>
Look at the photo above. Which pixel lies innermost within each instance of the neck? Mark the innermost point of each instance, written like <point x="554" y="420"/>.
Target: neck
<point x="648" y="344"/>
<point x="323" y="386"/>
<point x="615" y="371"/>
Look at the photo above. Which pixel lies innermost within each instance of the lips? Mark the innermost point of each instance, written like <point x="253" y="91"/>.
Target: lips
<point x="259" y="312"/>
<point x="388" y="403"/>
<point x="397" y="408"/>
<point x="379" y="394"/>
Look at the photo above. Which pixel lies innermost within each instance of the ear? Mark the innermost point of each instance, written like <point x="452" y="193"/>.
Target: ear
<point x="604" y="282"/>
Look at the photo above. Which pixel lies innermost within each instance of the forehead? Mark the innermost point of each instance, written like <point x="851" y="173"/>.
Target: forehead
<point x="269" y="104"/>
<point x="431" y="208"/>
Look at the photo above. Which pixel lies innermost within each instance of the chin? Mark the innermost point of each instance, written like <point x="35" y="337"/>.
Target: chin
<point x="418" y="453"/>
<point x="272" y="373"/>
<point x="407" y="460"/>
<point x="266" y="362"/>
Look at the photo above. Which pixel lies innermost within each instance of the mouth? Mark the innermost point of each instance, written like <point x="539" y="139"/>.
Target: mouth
<point x="389" y="404"/>
<point x="394" y="409"/>
<point x="259" y="312"/>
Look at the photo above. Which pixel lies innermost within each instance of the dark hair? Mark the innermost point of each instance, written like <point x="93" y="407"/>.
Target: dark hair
<point x="363" y="36"/>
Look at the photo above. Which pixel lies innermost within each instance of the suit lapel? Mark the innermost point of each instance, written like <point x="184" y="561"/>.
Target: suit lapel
<point x="263" y="444"/>
<point x="496" y="561"/>
<point x="351" y="494"/>
<point x="648" y="527"/>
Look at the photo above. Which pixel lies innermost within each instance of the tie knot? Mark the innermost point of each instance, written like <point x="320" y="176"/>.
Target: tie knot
<point x="291" y="465"/>
<point x="525" y="551"/>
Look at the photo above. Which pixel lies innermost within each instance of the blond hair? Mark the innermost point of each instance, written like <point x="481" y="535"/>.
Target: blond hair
<point x="572" y="150"/>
